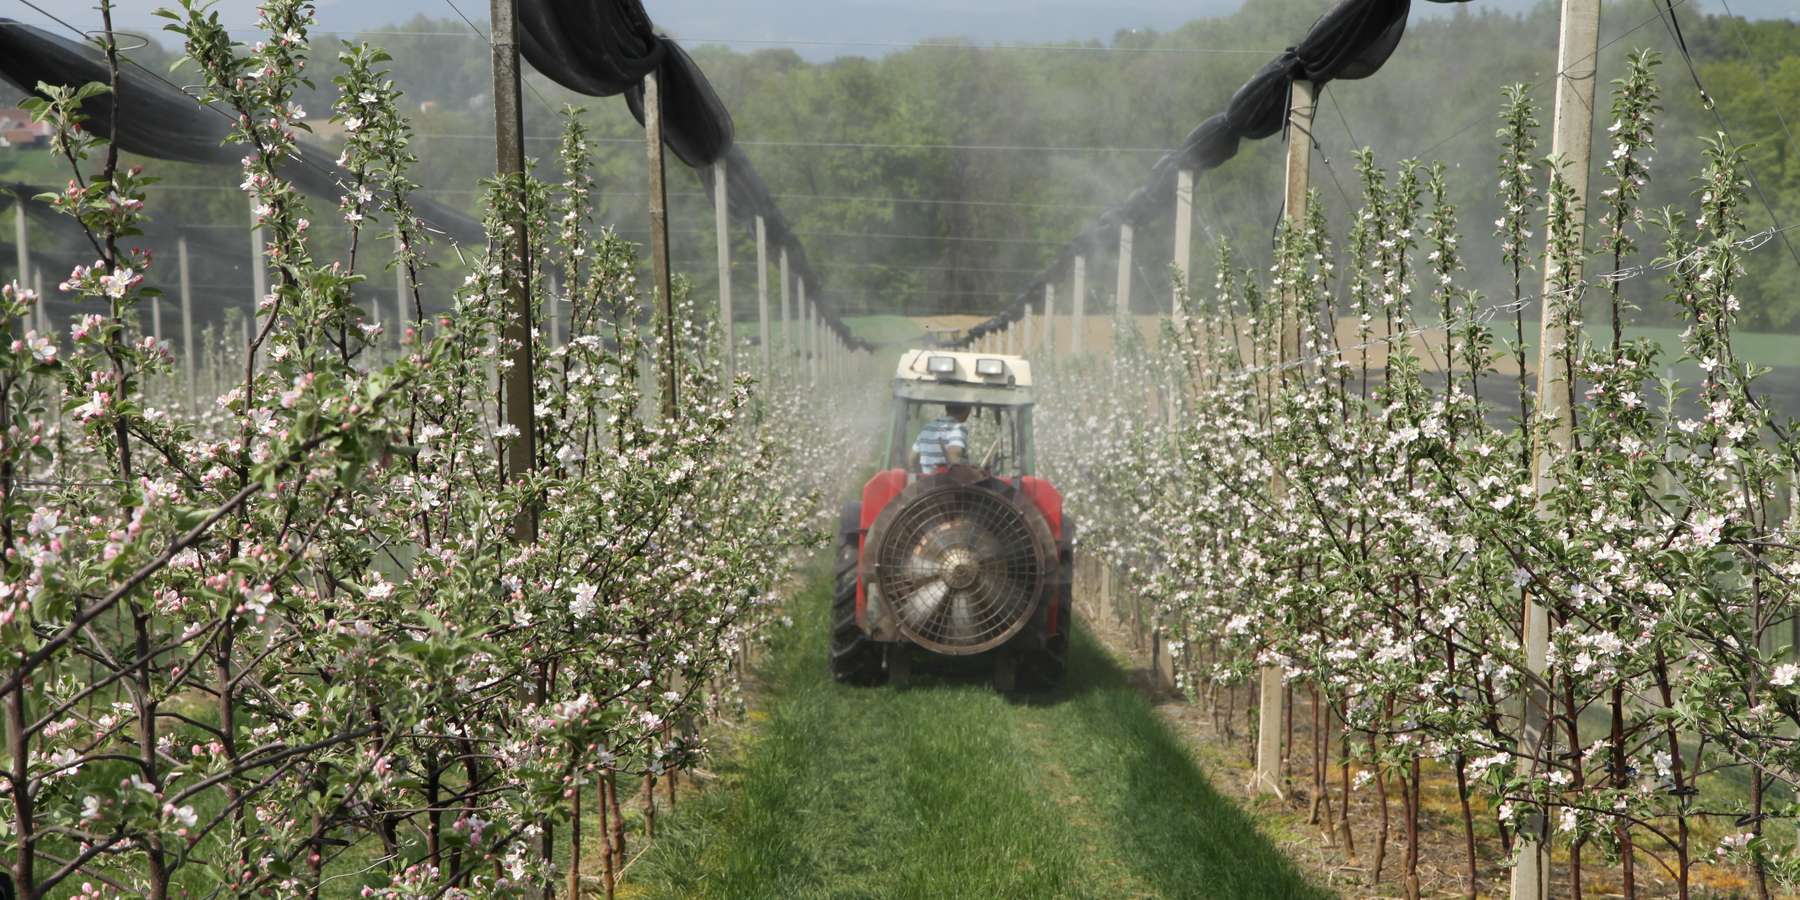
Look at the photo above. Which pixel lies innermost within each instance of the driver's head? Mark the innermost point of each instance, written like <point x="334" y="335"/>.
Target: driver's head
<point x="957" y="411"/>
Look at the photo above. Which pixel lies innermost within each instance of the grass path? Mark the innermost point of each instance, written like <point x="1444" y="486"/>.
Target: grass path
<point x="946" y="789"/>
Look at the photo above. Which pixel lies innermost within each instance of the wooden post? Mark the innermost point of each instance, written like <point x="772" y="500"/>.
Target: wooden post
<point x="1049" y="329"/>
<point x="509" y="163"/>
<point x="659" y="241"/>
<point x="787" y="316"/>
<point x="1299" y="161"/>
<point x="1122" y="293"/>
<point x="1577" y="45"/>
<point x="1078" y="306"/>
<point x="187" y="322"/>
<point x="722" y="233"/>
<point x="1184" y="237"/>
<point x="1025" y="345"/>
<point x="156" y="321"/>
<point x="762" y="294"/>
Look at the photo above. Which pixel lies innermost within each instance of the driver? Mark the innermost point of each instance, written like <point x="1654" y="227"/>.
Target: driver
<point x="943" y="441"/>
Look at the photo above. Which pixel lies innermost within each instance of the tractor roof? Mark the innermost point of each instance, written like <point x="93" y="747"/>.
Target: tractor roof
<point x="950" y="376"/>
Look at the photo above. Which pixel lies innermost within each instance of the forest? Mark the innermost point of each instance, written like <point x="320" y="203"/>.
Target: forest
<point x="938" y="179"/>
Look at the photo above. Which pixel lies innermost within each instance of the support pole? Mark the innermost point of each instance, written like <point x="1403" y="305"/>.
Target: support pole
<point x="187" y="321"/>
<point x="1049" y="329"/>
<point x="401" y="289"/>
<point x="1078" y="306"/>
<point x="812" y="342"/>
<point x="509" y="164"/>
<point x="1025" y="330"/>
<point x="259" y="270"/>
<point x="659" y="242"/>
<point x="762" y="294"/>
<point x="1299" y="161"/>
<point x="553" y="311"/>
<point x="1122" y="293"/>
<point x="1184" y="237"/>
<point x="787" y="314"/>
<point x="722" y="234"/>
<point x="1577" y="46"/>
<point x="804" y="311"/>
<point x="156" y="321"/>
<point x="38" y="310"/>
<point x="22" y="241"/>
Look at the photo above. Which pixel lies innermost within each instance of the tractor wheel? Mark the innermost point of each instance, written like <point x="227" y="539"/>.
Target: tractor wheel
<point x="1006" y="673"/>
<point x="854" y="658"/>
<point x="1043" y="669"/>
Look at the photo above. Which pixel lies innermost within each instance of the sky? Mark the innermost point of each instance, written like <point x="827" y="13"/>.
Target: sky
<point x="817" y="29"/>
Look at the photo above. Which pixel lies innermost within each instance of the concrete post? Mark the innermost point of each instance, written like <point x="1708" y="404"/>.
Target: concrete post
<point x="1572" y="133"/>
<point x="187" y="322"/>
<point x="402" y="315"/>
<point x="1122" y="292"/>
<point x="38" y="311"/>
<point x="1299" y="162"/>
<point x="553" y="310"/>
<point x="21" y="241"/>
<point x="659" y="242"/>
<point x="762" y="294"/>
<point x="787" y="315"/>
<point x="722" y="234"/>
<point x="259" y="270"/>
<point x="1078" y="306"/>
<point x="1184" y="237"/>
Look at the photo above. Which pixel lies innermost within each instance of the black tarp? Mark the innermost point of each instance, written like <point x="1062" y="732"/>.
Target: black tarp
<point x="1351" y="40"/>
<point x="603" y="48"/>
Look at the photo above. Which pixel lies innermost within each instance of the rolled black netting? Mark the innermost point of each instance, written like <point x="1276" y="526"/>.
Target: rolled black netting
<point x="1351" y="40"/>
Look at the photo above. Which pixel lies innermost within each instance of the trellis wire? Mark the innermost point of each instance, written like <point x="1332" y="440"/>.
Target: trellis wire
<point x="1488" y="313"/>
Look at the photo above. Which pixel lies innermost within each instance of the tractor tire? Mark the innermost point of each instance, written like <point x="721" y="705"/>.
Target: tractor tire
<point x="1043" y="669"/>
<point x="1006" y="673"/>
<point x="854" y="659"/>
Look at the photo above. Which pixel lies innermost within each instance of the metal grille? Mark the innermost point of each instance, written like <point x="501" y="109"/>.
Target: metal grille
<point x="961" y="569"/>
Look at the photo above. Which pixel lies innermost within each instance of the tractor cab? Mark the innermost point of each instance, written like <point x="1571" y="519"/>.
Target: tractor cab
<point x="970" y="560"/>
<point x="997" y="388"/>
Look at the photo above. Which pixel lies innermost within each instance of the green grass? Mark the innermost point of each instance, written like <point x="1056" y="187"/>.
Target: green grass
<point x="947" y="789"/>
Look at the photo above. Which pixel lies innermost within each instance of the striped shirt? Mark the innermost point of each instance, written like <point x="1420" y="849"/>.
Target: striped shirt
<point x="935" y="441"/>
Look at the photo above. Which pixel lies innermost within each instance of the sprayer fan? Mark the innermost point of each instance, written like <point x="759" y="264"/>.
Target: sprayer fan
<point x="961" y="563"/>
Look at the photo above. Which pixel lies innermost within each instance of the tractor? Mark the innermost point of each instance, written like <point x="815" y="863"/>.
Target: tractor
<point x="972" y="560"/>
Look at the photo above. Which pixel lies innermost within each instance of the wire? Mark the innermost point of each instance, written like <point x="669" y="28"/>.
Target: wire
<point x="297" y="158"/>
<point x="847" y="198"/>
<point x="837" y="145"/>
<point x="1538" y="83"/>
<point x="951" y="45"/>
<point x="1488" y="313"/>
<point x="1706" y="101"/>
<point x="804" y="42"/>
<point x="490" y="42"/>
